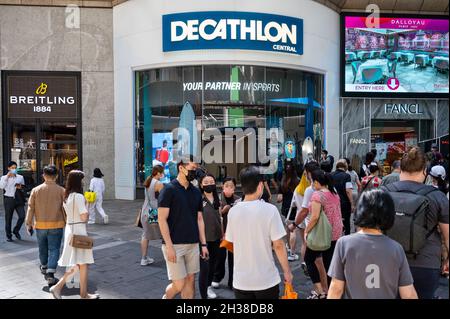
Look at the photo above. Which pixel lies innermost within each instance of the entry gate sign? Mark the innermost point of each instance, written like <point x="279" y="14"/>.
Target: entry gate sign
<point x="232" y="30"/>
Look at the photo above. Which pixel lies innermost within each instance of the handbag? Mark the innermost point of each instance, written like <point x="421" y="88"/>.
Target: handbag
<point x="138" y="222"/>
<point x="319" y="238"/>
<point x="90" y="196"/>
<point x="289" y="292"/>
<point x="152" y="229"/>
<point x="80" y="241"/>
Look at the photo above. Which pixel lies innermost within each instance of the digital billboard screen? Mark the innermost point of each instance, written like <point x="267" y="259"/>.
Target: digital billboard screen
<point x="400" y="55"/>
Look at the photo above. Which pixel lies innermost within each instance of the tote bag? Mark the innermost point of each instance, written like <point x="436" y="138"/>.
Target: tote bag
<point x="319" y="239"/>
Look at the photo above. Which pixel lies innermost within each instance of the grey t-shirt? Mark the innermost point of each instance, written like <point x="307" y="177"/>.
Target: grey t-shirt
<point x="372" y="266"/>
<point x="391" y="178"/>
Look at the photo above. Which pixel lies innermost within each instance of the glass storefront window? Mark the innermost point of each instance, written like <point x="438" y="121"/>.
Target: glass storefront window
<point x="223" y="97"/>
<point x="63" y="156"/>
<point x="59" y="131"/>
<point x="23" y="149"/>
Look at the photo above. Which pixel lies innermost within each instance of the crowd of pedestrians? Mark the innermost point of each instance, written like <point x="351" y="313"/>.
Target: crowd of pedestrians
<point x="361" y="234"/>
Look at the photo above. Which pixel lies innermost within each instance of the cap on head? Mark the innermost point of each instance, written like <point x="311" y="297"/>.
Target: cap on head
<point x="438" y="171"/>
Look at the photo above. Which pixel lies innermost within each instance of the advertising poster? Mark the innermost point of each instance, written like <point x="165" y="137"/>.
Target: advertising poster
<point x="410" y="140"/>
<point x="162" y="153"/>
<point x="385" y="59"/>
<point x="381" y="151"/>
<point x="396" y="147"/>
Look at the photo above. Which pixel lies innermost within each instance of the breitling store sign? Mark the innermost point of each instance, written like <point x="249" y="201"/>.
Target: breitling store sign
<point x="42" y="94"/>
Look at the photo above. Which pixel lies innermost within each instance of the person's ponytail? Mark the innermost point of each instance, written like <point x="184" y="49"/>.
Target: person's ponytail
<point x="330" y="183"/>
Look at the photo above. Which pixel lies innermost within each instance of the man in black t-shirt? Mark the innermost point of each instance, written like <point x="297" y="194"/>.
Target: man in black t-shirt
<point x="343" y="184"/>
<point x="181" y="222"/>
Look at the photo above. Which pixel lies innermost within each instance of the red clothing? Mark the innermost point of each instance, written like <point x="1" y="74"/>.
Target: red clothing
<point x="375" y="182"/>
<point x="332" y="208"/>
<point x="162" y="155"/>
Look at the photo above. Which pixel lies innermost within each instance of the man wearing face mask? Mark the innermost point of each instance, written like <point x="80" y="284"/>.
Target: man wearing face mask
<point x="12" y="183"/>
<point x="182" y="227"/>
<point x="251" y="223"/>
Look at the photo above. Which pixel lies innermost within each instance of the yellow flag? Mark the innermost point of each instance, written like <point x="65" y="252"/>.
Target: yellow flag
<point x="301" y="187"/>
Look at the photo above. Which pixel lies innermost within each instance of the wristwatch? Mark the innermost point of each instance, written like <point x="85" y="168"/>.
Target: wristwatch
<point x="204" y="245"/>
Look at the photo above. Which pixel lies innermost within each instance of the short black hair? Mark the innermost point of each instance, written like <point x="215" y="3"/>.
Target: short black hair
<point x="50" y="170"/>
<point x="373" y="168"/>
<point x="325" y="152"/>
<point x="376" y="210"/>
<point x="229" y="179"/>
<point x="184" y="160"/>
<point x="11" y="163"/>
<point x="311" y="167"/>
<point x="396" y="164"/>
<point x="326" y="166"/>
<point x="250" y="179"/>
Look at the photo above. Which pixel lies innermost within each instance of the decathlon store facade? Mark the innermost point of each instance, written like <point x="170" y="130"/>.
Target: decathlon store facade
<point x="221" y="65"/>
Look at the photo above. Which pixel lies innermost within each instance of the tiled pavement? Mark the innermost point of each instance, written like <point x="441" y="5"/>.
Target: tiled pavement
<point x="117" y="272"/>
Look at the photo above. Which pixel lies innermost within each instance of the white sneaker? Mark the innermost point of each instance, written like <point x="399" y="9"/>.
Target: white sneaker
<point x="91" y="222"/>
<point x="215" y="285"/>
<point x="106" y="219"/>
<point x="211" y="293"/>
<point x="293" y="257"/>
<point x="147" y="261"/>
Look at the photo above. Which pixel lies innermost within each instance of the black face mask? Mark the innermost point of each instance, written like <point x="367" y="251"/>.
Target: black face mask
<point x="209" y="188"/>
<point x="192" y="174"/>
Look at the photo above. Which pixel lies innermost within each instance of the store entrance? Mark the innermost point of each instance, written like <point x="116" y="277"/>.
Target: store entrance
<point x="392" y="138"/>
<point x="34" y="144"/>
<point x="238" y="150"/>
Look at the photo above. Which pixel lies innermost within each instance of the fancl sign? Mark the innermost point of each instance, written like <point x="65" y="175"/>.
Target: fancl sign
<point x="232" y="30"/>
<point x="403" y="108"/>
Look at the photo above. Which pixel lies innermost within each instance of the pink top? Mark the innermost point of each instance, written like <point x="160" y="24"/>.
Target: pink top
<point x="332" y="209"/>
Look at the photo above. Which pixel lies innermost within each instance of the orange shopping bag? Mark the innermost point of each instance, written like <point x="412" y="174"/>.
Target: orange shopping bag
<point x="289" y="292"/>
<point x="226" y="244"/>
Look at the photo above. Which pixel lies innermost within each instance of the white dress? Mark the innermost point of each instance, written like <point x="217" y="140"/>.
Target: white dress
<point x="74" y="206"/>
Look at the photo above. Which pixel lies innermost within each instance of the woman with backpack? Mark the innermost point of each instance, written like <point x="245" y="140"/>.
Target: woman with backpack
<point x="327" y="200"/>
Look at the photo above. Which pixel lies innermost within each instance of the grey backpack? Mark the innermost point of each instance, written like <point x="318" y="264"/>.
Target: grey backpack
<point x="412" y="226"/>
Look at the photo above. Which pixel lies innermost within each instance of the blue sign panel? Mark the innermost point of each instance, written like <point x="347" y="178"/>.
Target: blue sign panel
<point x="232" y="30"/>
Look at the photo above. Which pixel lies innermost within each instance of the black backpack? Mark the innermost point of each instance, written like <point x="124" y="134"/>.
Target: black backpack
<point x="411" y="227"/>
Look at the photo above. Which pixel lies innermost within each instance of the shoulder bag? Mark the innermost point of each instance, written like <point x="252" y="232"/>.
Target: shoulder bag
<point x="152" y="220"/>
<point x="319" y="238"/>
<point x="80" y="241"/>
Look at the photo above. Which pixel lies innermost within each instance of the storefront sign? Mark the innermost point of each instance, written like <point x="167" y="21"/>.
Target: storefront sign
<point x="358" y="141"/>
<point x="402" y="108"/>
<point x="231" y="86"/>
<point x="42" y="95"/>
<point x="232" y="30"/>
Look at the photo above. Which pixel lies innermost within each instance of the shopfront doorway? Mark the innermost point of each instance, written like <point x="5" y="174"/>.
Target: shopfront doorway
<point x="391" y="138"/>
